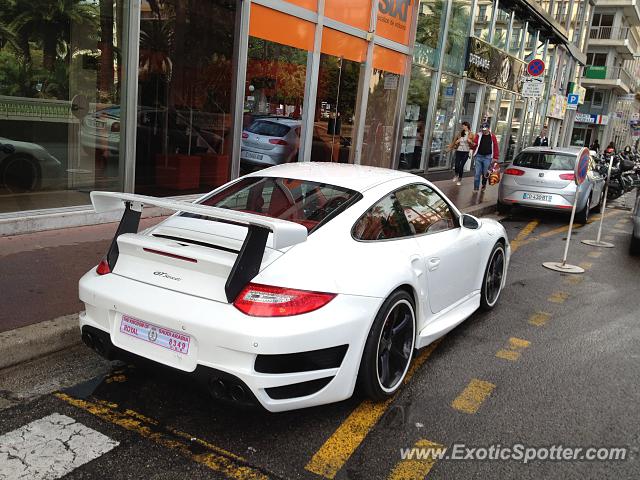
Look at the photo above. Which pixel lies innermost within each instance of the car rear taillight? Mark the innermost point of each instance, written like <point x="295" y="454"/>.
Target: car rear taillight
<point x="567" y="176"/>
<point x="103" y="267"/>
<point x="245" y="135"/>
<point x="277" y="141"/>
<point x="115" y="127"/>
<point x="514" y="171"/>
<point x="267" y="301"/>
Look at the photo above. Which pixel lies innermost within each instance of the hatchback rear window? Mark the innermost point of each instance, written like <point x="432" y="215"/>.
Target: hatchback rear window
<point x="308" y="203"/>
<point x="270" y="129"/>
<point x="545" y="161"/>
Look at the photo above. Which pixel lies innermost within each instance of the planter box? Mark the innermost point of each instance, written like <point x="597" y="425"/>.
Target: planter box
<point x="178" y="172"/>
<point x="214" y="170"/>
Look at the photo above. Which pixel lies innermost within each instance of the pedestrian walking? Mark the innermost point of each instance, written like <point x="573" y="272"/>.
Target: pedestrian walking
<point x="486" y="154"/>
<point x="611" y="148"/>
<point x="542" y="140"/>
<point x="462" y="145"/>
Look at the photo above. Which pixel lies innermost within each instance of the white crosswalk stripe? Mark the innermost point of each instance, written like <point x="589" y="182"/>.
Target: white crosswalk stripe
<point x="49" y="448"/>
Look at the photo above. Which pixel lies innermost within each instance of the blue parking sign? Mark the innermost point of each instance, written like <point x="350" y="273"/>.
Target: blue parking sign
<point x="573" y="99"/>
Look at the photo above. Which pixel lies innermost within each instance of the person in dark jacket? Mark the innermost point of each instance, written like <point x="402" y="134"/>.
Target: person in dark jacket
<point x="486" y="153"/>
<point x="542" y="140"/>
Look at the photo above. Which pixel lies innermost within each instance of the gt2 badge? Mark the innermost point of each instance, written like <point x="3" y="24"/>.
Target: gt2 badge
<point x="166" y="275"/>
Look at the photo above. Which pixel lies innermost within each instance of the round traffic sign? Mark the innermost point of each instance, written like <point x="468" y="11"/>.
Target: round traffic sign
<point x="535" y="67"/>
<point x="582" y="166"/>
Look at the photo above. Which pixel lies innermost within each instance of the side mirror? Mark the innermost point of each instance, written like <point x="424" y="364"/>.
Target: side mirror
<point x="470" y="222"/>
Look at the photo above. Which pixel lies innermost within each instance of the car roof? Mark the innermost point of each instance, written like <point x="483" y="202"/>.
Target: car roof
<point x="565" y="150"/>
<point x="354" y="177"/>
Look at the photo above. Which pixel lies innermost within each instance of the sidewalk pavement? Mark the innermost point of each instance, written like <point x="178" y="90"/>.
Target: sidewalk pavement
<point x="39" y="275"/>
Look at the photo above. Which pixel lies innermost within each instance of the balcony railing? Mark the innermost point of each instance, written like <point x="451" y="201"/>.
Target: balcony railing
<point x="609" y="33"/>
<point x="610" y="73"/>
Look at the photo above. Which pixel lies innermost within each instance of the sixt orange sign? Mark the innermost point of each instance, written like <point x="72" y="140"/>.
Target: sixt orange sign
<point x="393" y="20"/>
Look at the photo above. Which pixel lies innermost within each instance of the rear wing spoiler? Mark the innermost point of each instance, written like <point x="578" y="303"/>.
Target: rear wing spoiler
<point x="247" y="264"/>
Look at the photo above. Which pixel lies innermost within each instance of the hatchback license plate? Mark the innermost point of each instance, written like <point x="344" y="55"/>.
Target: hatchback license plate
<point x="255" y="156"/>
<point x="537" y="196"/>
<point x="160" y="336"/>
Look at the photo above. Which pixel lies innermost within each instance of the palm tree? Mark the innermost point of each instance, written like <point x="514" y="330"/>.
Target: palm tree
<point x="50" y="21"/>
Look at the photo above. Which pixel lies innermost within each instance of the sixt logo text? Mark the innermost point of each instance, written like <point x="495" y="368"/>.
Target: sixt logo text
<point x="395" y="8"/>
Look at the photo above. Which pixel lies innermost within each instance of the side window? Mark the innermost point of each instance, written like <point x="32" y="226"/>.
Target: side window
<point x="383" y="221"/>
<point x="426" y="211"/>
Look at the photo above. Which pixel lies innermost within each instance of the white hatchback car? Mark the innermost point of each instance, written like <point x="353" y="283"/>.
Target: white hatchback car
<point x="288" y="286"/>
<point x="270" y="141"/>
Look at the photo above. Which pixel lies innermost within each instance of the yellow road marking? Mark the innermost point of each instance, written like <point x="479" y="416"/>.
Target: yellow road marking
<point x="524" y="233"/>
<point x="585" y="265"/>
<point x="419" y="468"/>
<point x="594" y="254"/>
<point x="513" y="350"/>
<point x="472" y="397"/>
<point x="558" y="297"/>
<point x="539" y="318"/>
<point x="574" y="279"/>
<point x="217" y="459"/>
<point x="339" y="447"/>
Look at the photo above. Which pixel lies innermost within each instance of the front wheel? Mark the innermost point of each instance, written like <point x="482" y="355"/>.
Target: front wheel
<point x="634" y="247"/>
<point x="493" y="277"/>
<point x="389" y="348"/>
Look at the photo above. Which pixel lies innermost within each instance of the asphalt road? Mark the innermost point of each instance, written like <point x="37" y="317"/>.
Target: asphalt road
<point x="555" y="363"/>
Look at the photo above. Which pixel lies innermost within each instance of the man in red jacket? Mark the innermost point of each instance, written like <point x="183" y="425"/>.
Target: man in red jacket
<point x="485" y="153"/>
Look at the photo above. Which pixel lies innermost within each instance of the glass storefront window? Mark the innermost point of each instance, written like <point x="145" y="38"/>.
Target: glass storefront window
<point x="443" y="127"/>
<point x="502" y="130"/>
<point x="502" y="29"/>
<point x="413" y="132"/>
<point x="517" y="37"/>
<point x="430" y="18"/>
<point x="519" y="111"/>
<point x="458" y="36"/>
<point x="184" y="96"/>
<point x="489" y="107"/>
<point x="334" y="132"/>
<point x="382" y="106"/>
<point x="482" y="23"/>
<point x="60" y="90"/>
<point x="470" y="102"/>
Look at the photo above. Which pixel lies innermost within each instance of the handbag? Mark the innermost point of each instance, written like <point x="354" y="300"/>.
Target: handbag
<point x="494" y="174"/>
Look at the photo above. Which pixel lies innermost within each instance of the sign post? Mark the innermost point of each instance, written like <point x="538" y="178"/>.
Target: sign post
<point x="597" y="242"/>
<point x="580" y="174"/>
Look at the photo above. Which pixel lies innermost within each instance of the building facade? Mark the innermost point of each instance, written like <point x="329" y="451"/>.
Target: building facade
<point x="176" y="97"/>
<point x="610" y="76"/>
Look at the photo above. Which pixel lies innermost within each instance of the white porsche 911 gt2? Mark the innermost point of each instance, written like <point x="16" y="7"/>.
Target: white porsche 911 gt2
<point x="290" y="286"/>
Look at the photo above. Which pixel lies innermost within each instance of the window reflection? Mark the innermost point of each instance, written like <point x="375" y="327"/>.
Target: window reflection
<point x="184" y="96"/>
<point x="60" y="89"/>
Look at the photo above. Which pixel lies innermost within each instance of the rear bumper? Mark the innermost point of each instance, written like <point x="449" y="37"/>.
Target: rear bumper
<point x="225" y="340"/>
<point x="561" y="199"/>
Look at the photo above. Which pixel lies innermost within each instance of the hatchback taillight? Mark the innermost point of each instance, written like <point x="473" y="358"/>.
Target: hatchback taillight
<point x="277" y="141"/>
<point x="567" y="176"/>
<point x="245" y="135"/>
<point x="514" y="171"/>
<point x="267" y="301"/>
<point x="103" y="267"/>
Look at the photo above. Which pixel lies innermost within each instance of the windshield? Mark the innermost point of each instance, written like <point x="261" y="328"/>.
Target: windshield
<point x="271" y="129"/>
<point x="307" y="203"/>
<point x="545" y="161"/>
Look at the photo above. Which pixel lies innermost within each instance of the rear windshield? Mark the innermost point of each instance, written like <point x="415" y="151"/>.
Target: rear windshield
<point x="271" y="129"/>
<point x="307" y="203"/>
<point x="545" y="161"/>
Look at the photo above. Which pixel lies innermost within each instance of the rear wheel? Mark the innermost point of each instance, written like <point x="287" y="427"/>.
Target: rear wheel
<point x="634" y="247"/>
<point x="389" y="348"/>
<point x="493" y="277"/>
<point x="583" y="215"/>
<point x="19" y="174"/>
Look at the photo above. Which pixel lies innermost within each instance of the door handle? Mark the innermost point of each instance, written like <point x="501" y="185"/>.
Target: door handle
<point x="434" y="263"/>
